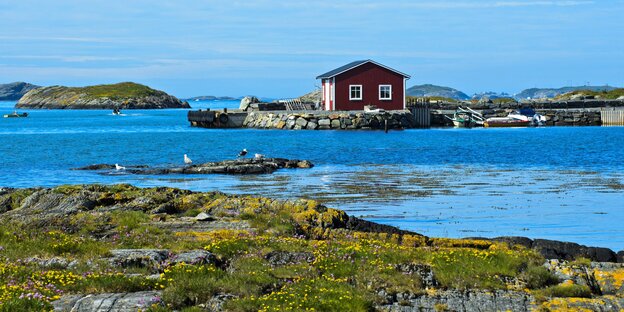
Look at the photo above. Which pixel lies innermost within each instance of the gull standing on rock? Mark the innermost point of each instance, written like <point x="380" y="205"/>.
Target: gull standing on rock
<point x="187" y="160"/>
<point x="242" y="153"/>
<point x="258" y="156"/>
<point x="118" y="167"/>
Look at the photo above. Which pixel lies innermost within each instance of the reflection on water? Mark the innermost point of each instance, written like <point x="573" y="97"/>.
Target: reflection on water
<point x="583" y="207"/>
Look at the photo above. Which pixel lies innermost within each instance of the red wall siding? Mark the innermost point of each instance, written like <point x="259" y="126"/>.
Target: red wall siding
<point x="370" y="76"/>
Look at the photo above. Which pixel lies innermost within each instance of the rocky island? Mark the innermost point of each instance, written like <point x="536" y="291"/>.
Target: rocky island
<point x="123" y="248"/>
<point x="15" y="90"/>
<point x="125" y="95"/>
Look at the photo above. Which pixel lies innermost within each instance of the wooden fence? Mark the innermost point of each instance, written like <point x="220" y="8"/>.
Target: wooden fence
<point x="612" y="116"/>
<point x="421" y="111"/>
<point x="297" y="104"/>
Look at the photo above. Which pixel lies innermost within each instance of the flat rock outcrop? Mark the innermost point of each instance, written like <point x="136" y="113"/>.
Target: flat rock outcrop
<point x="125" y="95"/>
<point x="109" y="302"/>
<point x="236" y="166"/>
<point x="552" y="249"/>
<point x="464" y="301"/>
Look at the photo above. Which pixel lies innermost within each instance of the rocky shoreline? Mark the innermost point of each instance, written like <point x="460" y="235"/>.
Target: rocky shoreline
<point x="125" y="248"/>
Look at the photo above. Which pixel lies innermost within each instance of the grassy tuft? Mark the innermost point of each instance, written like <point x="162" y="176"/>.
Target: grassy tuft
<point x="572" y="291"/>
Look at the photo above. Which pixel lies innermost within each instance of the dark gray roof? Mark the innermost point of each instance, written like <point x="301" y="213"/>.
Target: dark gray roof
<point x="351" y="65"/>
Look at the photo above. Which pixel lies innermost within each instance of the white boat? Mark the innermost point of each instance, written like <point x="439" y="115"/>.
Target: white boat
<point x="466" y="118"/>
<point x="519" y="118"/>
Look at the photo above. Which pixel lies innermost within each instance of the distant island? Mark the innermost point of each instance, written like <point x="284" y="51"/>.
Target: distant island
<point x="433" y="91"/>
<point x="15" y="90"/>
<point x="429" y="90"/>
<point x="547" y="93"/>
<point x="212" y="98"/>
<point x="124" y="95"/>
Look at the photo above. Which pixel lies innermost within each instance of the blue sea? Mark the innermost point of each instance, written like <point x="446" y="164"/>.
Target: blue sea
<point x="562" y="183"/>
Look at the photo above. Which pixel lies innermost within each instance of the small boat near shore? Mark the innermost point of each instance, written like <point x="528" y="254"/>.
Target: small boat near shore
<point x="519" y="118"/>
<point x="509" y="121"/>
<point x="466" y="118"/>
<point x="15" y="115"/>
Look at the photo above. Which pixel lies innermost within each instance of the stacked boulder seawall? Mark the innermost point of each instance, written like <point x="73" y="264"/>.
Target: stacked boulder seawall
<point x="351" y="120"/>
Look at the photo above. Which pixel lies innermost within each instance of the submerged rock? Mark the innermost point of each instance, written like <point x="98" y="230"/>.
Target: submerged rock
<point x="108" y="166"/>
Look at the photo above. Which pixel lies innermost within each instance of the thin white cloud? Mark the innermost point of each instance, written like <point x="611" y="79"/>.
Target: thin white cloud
<point x="44" y="38"/>
<point x="420" y="5"/>
<point x="69" y="59"/>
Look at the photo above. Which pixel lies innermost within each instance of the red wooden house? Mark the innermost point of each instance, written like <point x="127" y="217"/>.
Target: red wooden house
<point x="360" y="83"/>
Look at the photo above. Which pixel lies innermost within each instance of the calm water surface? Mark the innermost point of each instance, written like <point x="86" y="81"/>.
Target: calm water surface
<point x="561" y="183"/>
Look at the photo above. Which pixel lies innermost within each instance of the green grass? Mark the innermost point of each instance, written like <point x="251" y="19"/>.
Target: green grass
<point x="191" y="285"/>
<point x="113" y="282"/>
<point x="17" y="244"/>
<point x="21" y="305"/>
<point x="504" y="100"/>
<point x="308" y="295"/>
<point x="566" y="291"/>
<point x="119" y="90"/>
<point x="538" y="277"/>
<point x="463" y="268"/>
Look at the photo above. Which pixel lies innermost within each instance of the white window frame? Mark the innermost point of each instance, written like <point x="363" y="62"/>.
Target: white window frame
<point x="389" y="93"/>
<point x="350" y="92"/>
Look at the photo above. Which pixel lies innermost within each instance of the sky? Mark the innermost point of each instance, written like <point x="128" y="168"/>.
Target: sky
<point x="277" y="48"/>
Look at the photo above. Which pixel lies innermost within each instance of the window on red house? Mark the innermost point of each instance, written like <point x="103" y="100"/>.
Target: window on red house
<point x="355" y="92"/>
<point x="385" y="92"/>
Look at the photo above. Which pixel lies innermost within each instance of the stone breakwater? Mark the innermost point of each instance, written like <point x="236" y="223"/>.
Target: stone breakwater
<point x="350" y="120"/>
<point x="571" y="117"/>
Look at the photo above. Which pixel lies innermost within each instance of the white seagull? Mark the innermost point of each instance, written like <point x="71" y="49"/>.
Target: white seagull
<point x="242" y="153"/>
<point x="187" y="160"/>
<point x="118" y="167"/>
<point x="258" y="156"/>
